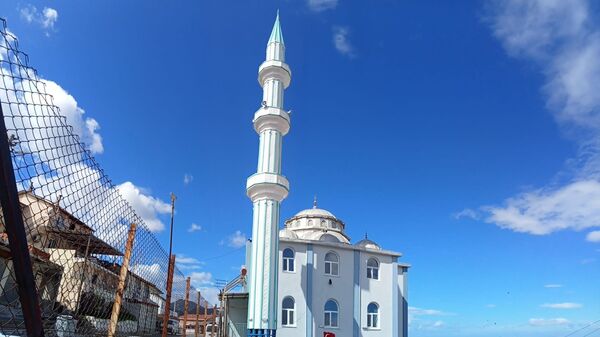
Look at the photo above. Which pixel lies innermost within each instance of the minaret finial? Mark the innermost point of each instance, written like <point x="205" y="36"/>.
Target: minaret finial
<point x="276" y="34"/>
<point x="315" y="202"/>
<point x="366" y="236"/>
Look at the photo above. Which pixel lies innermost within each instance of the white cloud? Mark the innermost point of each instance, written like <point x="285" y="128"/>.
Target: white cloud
<point x="194" y="228"/>
<point x="46" y="19"/>
<point x="548" y="321"/>
<point x="321" y="5"/>
<point x="588" y="260"/>
<point x="425" y="312"/>
<point x="237" y="240"/>
<point x="341" y="41"/>
<point x="187" y="179"/>
<point x="562" y="38"/>
<point x="211" y="294"/>
<point x="566" y="305"/>
<point x="466" y="213"/>
<point x="200" y="279"/>
<point x="553" y="286"/>
<point x="85" y="128"/>
<point x="593" y="236"/>
<point x="183" y="259"/>
<point x="438" y="324"/>
<point x="146" y="206"/>
<point x="28" y="13"/>
<point x="545" y="211"/>
<point x="50" y="16"/>
<point x="416" y="314"/>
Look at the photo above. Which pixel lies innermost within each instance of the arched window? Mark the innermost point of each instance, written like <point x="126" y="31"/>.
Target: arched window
<point x="331" y="314"/>
<point x="288" y="260"/>
<point x="373" y="269"/>
<point x="288" y="307"/>
<point x="372" y="315"/>
<point x="332" y="264"/>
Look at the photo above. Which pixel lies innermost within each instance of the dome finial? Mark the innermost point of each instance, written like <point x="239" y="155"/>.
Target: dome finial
<point x="366" y="236"/>
<point x="315" y="202"/>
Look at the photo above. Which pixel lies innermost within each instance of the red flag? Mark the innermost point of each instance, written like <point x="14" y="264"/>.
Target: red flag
<point x="328" y="334"/>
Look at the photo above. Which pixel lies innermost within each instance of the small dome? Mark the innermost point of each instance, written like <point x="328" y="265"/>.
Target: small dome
<point x="368" y="244"/>
<point x="329" y="238"/>
<point x="287" y="234"/>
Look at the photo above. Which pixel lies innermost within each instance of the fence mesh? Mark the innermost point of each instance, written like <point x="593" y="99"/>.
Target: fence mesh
<point x="76" y="222"/>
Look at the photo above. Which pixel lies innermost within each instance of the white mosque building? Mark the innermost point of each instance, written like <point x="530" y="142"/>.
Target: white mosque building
<point x="327" y="284"/>
<point x="307" y="279"/>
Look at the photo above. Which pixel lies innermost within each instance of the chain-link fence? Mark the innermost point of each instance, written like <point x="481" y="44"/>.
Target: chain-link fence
<point x="75" y="220"/>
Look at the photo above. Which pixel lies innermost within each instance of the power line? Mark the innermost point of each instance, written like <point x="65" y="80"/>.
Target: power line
<point x="585" y="327"/>
<point x="591" y="332"/>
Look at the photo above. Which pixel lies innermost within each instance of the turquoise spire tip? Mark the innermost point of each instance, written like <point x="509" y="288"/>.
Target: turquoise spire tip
<point x="276" y="34"/>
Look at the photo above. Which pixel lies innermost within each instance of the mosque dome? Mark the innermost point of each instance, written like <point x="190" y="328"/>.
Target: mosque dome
<point x="317" y="224"/>
<point x="368" y="244"/>
<point x="316" y="212"/>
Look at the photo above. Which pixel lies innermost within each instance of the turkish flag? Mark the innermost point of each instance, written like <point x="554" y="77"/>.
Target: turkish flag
<point x="328" y="334"/>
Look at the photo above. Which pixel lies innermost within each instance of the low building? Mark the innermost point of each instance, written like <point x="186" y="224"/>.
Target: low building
<point x="71" y="273"/>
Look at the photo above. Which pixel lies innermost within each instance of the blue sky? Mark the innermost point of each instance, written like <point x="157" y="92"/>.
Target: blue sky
<point x="465" y="136"/>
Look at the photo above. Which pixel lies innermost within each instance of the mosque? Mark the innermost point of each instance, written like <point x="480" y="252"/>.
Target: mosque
<point x="307" y="279"/>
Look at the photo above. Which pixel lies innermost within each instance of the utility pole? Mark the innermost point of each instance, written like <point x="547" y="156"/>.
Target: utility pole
<point x="170" y="271"/>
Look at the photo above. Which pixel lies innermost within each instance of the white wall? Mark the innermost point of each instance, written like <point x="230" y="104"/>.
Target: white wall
<point x="293" y="284"/>
<point x="341" y="290"/>
<point x="378" y="291"/>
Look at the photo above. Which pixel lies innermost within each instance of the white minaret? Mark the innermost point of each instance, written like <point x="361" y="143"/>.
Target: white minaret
<point x="267" y="188"/>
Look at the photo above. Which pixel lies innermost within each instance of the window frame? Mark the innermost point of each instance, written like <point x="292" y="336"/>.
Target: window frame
<point x="285" y="261"/>
<point x="330" y="314"/>
<point x="285" y="313"/>
<point x="373" y="318"/>
<point x="330" y="264"/>
<point x="371" y="271"/>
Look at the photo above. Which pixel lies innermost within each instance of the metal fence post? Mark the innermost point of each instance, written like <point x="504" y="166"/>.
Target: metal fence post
<point x="17" y="238"/>
<point x="197" y="316"/>
<point x="186" y="304"/>
<point x="114" y="317"/>
<point x="168" y="297"/>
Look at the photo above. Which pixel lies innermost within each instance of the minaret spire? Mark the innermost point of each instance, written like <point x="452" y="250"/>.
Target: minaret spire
<point x="276" y="34"/>
<point x="267" y="188"/>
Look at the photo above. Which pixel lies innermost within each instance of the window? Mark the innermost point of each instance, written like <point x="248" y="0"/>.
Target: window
<point x="287" y="311"/>
<point x="332" y="264"/>
<point x="288" y="260"/>
<point x="372" y="315"/>
<point x="373" y="269"/>
<point x="52" y="243"/>
<point x="331" y="314"/>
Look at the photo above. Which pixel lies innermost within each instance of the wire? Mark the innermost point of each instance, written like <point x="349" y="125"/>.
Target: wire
<point x="591" y="332"/>
<point x="580" y="329"/>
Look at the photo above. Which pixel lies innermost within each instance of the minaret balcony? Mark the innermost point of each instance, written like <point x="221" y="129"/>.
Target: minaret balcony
<point x="275" y="69"/>
<point x="271" y="118"/>
<point x="267" y="186"/>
